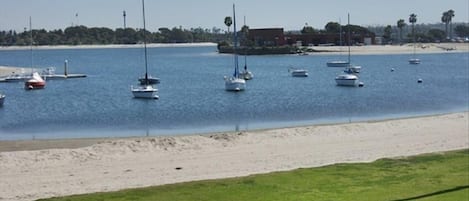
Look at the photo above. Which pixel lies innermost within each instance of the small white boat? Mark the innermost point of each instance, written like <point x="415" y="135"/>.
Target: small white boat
<point x="245" y="74"/>
<point x="145" y="91"/>
<point x="353" y="69"/>
<point x="298" y="72"/>
<point x="2" y="99"/>
<point x="234" y="84"/>
<point x="414" y="61"/>
<point x="338" y="64"/>
<point x="346" y="79"/>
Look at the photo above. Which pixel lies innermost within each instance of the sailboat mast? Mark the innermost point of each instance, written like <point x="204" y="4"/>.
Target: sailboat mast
<point x="31" y="41"/>
<point x="349" y="38"/>
<point x="145" y="42"/>
<point x="235" y="41"/>
<point x="245" y="52"/>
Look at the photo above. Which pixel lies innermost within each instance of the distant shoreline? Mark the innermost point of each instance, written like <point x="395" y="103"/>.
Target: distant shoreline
<point x="421" y="48"/>
<point x="110" y="46"/>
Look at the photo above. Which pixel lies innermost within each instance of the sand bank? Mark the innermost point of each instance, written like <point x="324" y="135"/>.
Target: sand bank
<point x="426" y="48"/>
<point x="113" y="164"/>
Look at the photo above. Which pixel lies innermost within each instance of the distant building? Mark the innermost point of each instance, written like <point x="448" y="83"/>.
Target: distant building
<point x="267" y="37"/>
<point x="277" y="37"/>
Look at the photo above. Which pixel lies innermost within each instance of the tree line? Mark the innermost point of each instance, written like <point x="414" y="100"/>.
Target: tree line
<point x="82" y="35"/>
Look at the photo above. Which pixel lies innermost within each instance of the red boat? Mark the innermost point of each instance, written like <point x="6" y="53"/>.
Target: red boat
<point x="36" y="82"/>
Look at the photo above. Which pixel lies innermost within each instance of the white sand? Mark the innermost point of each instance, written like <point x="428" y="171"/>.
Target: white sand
<point x="129" y="163"/>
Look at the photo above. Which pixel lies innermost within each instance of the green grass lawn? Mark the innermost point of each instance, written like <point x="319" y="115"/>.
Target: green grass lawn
<point x="439" y="177"/>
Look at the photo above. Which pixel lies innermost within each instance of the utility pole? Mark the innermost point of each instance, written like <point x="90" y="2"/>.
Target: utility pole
<point x="124" y="18"/>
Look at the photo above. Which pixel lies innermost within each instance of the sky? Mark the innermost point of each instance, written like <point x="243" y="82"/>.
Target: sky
<point x="290" y="15"/>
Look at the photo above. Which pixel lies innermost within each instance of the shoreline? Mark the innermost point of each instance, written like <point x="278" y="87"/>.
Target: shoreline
<point x="422" y="48"/>
<point x="100" y="165"/>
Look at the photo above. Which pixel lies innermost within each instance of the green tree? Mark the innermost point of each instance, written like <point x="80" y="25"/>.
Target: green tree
<point x="462" y="30"/>
<point x="308" y="29"/>
<point x="387" y="33"/>
<point x="436" y="35"/>
<point x="450" y="17"/>
<point x="400" y="24"/>
<point x="332" y="27"/>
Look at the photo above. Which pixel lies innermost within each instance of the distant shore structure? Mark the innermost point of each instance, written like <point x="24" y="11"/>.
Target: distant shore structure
<point x="124" y="15"/>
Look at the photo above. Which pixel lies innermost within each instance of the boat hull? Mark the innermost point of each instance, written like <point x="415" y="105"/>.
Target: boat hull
<point x="30" y="85"/>
<point x="299" y="73"/>
<point x="346" y="80"/>
<point x="414" y="61"/>
<point x="145" y="92"/>
<point x="338" y="64"/>
<point x="235" y="84"/>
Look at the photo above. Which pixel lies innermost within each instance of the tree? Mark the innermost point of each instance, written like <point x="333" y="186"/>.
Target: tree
<point x="445" y="19"/>
<point x="332" y="27"/>
<point x="413" y="20"/>
<point x="450" y="17"/>
<point x="436" y="35"/>
<point x="308" y="29"/>
<point x="462" y="30"/>
<point x="228" y="22"/>
<point x="400" y="24"/>
<point x="387" y="33"/>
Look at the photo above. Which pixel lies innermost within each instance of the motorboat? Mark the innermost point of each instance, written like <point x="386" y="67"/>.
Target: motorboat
<point x="298" y="72"/>
<point x="17" y="78"/>
<point x="36" y="82"/>
<point x="235" y="82"/>
<point x="145" y="91"/>
<point x="338" y="64"/>
<point x="346" y="79"/>
<point x="149" y="80"/>
<point x="2" y="99"/>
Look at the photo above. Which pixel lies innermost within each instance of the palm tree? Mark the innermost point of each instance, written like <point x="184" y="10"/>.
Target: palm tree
<point x="228" y="22"/>
<point x="445" y="19"/>
<point x="450" y="18"/>
<point x="413" y="20"/>
<point x="400" y="24"/>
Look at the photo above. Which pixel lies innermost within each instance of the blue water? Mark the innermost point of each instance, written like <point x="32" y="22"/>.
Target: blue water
<point x="193" y="98"/>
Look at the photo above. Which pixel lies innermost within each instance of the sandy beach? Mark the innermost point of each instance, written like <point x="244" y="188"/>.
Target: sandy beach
<point x="31" y="170"/>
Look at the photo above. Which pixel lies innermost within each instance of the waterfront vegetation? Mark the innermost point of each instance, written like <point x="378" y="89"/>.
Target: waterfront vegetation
<point x="438" y="176"/>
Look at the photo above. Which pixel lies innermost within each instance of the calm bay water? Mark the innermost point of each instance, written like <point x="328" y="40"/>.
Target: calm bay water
<point x="193" y="98"/>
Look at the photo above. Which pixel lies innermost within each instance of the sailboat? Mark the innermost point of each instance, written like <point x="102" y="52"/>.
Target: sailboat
<point x="348" y="77"/>
<point x="36" y="81"/>
<point x="246" y="74"/>
<point x="414" y="59"/>
<point x="235" y="82"/>
<point x="339" y="63"/>
<point x="146" y="90"/>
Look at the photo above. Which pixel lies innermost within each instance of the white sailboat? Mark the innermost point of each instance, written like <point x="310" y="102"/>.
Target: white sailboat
<point x="36" y="81"/>
<point x="246" y="74"/>
<point x="235" y="82"/>
<point x="145" y="90"/>
<point x="348" y="77"/>
<point x="339" y="63"/>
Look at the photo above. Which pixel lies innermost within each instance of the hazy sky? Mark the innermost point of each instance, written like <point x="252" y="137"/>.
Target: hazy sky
<point x="289" y="14"/>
